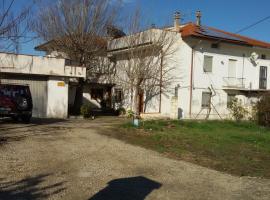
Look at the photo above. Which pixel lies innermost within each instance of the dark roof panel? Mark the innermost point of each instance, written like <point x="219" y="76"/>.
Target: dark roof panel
<point x="206" y="32"/>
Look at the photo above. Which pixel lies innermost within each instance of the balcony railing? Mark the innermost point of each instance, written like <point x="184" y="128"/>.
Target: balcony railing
<point x="233" y="82"/>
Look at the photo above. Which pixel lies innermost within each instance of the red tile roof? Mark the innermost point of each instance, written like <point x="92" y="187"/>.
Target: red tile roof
<point x="205" y="32"/>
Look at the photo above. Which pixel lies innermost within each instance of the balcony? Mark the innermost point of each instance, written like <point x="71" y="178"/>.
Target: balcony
<point x="233" y="82"/>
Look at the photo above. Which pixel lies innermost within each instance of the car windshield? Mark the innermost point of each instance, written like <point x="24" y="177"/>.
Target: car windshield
<point x="13" y="90"/>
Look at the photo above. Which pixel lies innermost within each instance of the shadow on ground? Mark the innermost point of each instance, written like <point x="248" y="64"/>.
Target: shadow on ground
<point x="16" y="131"/>
<point x="133" y="188"/>
<point x="9" y="123"/>
<point x="30" y="188"/>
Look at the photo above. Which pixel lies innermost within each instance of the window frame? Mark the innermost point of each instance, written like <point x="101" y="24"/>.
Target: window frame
<point x="118" y="98"/>
<point x="202" y="101"/>
<point x="263" y="80"/>
<point x="204" y="63"/>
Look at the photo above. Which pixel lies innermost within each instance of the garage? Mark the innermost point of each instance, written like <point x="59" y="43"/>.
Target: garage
<point x="38" y="88"/>
<point x="48" y="79"/>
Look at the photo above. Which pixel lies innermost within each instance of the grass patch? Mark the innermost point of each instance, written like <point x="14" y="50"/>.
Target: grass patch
<point x="238" y="148"/>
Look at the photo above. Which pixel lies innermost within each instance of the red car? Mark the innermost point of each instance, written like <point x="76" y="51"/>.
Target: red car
<point x="16" y="102"/>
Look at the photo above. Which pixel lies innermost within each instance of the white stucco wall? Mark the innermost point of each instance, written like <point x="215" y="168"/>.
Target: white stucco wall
<point x="38" y="65"/>
<point x="244" y="69"/>
<point x="58" y="77"/>
<point x="57" y="105"/>
<point x="87" y="97"/>
<point x="182" y="60"/>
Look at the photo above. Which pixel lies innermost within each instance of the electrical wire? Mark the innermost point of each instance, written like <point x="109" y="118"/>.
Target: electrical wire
<point x="252" y="25"/>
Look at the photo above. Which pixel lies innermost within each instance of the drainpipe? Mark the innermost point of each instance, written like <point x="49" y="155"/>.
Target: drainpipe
<point x="191" y="82"/>
<point x="243" y="68"/>
<point x="160" y="83"/>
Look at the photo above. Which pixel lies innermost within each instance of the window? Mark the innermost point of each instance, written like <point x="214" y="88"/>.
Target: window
<point x="118" y="95"/>
<point x="208" y="63"/>
<point x="215" y="46"/>
<point x="230" y="98"/>
<point x="206" y="99"/>
<point x="263" y="56"/>
<point x="232" y="69"/>
<point x="263" y="77"/>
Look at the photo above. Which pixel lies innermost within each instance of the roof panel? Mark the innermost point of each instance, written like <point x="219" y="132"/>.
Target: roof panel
<point x="210" y="32"/>
<point x="192" y="29"/>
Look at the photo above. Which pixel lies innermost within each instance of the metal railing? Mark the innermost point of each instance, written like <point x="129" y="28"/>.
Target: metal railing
<point x="234" y="82"/>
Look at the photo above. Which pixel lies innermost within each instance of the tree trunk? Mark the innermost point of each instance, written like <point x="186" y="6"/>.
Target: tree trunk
<point x="136" y="101"/>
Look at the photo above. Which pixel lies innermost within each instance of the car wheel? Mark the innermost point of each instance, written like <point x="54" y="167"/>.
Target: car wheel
<point x="26" y="118"/>
<point x="15" y="118"/>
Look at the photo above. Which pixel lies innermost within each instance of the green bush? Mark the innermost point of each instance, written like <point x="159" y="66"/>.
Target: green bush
<point x="237" y="110"/>
<point x="263" y="110"/>
<point x="130" y="113"/>
<point x="254" y="113"/>
<point x="121" y="111"/>
<point x="86" y="110"/>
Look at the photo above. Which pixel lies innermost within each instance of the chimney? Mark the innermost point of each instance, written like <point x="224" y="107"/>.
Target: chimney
<point x="198" y="18"/>
<point x="153" y="25"/>
<point x="177" y="18"/>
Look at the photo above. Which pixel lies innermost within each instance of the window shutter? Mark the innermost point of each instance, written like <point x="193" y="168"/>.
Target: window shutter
<point x="206" y="96"/>
<point x="263" y="77"/>
<point x="208" y="63"/>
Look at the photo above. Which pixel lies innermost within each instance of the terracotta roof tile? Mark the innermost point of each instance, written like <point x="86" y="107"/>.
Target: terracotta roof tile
<point x="205" y="32"/>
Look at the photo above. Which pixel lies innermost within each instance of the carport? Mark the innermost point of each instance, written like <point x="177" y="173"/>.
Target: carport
<point x="47" y="77"/>
<point x="38" y="88"/>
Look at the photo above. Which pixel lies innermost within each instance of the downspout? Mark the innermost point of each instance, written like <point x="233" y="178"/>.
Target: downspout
<point x="191" y="82"/>
<point x="160" y="83"/>
<point x="243" y="68"/>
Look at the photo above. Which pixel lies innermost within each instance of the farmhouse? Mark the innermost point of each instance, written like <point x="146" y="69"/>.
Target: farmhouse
<point x="49" y="79"/>
<point x="207" y="68"/>
<point x="211" y="67"/>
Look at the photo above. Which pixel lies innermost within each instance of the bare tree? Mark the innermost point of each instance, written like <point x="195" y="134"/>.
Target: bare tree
<point x="144" y="62"/>
<point x="77" y="28"/>
<point x="13" y="25"/>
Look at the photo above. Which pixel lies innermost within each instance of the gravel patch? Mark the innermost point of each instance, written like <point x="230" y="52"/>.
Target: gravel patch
<point x="70" y="160"/>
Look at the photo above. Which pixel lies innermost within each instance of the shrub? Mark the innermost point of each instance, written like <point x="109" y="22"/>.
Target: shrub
<point x="121" y="111"/>
<point x="237" y="109"/>
<point x="130" y="113"/>
<point x="263" y="110"/>
<point x="86" y="110"/>
<point x="253" y="113"/>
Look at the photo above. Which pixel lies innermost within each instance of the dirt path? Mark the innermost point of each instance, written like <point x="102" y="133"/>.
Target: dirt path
<point x="69" y="160"/>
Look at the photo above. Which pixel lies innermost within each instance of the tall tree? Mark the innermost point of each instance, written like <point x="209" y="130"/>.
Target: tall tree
<point x="77" y="28"/>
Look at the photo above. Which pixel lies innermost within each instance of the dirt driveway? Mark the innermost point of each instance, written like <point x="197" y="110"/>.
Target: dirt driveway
<point x="52" y="159"/>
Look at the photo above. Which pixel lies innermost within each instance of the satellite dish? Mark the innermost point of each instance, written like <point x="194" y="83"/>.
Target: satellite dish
<point x="254" y="58"/>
